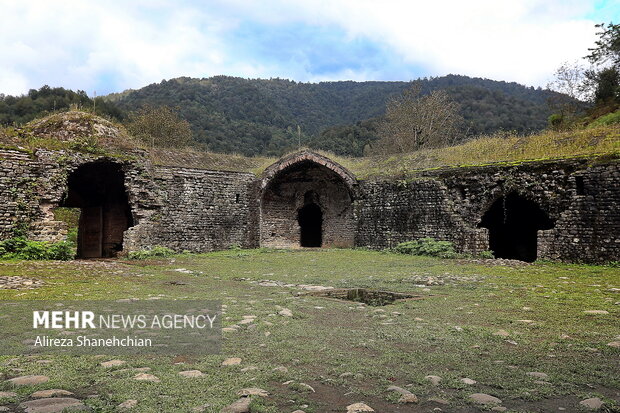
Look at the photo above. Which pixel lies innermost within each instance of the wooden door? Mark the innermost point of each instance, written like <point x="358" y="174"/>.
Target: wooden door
<point x="91" y="232"/>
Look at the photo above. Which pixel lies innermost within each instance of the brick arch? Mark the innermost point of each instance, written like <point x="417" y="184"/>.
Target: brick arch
<point x="307" y="156"/>
<point x="306" y="200"/>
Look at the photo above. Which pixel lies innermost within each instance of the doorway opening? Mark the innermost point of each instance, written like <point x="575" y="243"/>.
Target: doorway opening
<point x="513" y="223"/>
<point x="98" y="189"/>
<point x="310" y="220"/>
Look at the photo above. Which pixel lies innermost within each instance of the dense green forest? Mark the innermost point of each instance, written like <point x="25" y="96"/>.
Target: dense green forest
<point x="269" y="117"/>
<point x="259" y="116"/>
<point x="17" y="110"/>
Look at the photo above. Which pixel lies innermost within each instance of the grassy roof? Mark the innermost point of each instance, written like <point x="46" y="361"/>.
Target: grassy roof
<point x="85" y="132"/>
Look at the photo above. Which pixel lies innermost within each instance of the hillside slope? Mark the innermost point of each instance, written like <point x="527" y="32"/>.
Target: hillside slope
<point x="259" y="116"/>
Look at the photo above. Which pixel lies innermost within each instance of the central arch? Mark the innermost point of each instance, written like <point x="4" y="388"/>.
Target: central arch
<point x="306" y="201"/>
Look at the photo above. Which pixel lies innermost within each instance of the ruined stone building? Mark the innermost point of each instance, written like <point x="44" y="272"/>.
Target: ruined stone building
<point x="565" y="210"/>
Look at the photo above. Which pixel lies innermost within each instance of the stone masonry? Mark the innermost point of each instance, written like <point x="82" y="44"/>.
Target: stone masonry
<point x="203" y="210"/>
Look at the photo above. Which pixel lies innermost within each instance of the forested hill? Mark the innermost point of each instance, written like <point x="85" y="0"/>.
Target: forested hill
<point x="259" y="116"/>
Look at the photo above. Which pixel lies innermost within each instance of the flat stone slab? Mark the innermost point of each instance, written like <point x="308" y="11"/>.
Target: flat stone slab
<point x="112" y="363"/>
<point x="359" y="408"/>
<point x="191" y="373"/>
<point x="51" y="405"/>
<point x="50" y="393"/>
<point x="596" y="312"/>
<point x="538" y="375"/>
<point x="128" y="404"/>
<point x="615" y="344"/>
<point x="232" y="361"/>
<point x="252" y="391"/>
<point x="7" y="394"/>
<point x="146" y="377"/>
<point x="240" y="406"/>
<point x="593" y="404"/>
<point x="482" y="398"/>
<point x="29" y="380"/>
<point x="467" y="380"/>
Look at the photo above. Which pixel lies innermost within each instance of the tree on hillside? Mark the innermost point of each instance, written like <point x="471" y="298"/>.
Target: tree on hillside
<point x="604" y="79"/>
<point x="159" y="126"/>
<point x="413" y="122"/>
<point x="570" y="82"/>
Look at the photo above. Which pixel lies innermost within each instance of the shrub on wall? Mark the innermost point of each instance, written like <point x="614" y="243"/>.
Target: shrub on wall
<point x="427" y="246"/>
<point x="20" y="248"/>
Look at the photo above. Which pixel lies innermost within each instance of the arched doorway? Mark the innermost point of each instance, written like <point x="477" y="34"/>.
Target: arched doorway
<point x="98" y="189"/>
<point x="513" y="223"/>
<point x="306" y="201"/>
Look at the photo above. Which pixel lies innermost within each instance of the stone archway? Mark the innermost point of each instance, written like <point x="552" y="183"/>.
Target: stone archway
<point x="513" y="222"/>
<point x="98" y="189"/>
<point x="306" y="201"/>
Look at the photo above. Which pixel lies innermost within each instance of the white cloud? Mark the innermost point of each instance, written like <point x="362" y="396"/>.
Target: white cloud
<point x="522" y="40"/>
<point x="90" y="44"/>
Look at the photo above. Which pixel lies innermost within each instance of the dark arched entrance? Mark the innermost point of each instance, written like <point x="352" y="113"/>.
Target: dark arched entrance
<point x="98" y="189"/>
<point x="513" y="223"/>
<point x="310" y="220"/>
<point x="306" y="201"/>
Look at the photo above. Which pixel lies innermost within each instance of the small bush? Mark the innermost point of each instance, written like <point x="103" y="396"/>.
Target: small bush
<point x="22" y="249"/>
<point x="155" y="251"/>
<point x="487" y="255"/>
<point x="427" y="246"/>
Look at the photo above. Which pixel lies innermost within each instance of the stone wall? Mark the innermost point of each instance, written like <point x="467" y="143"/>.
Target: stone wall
<point x="582" y="200"/>
<point x="202" y="210"/>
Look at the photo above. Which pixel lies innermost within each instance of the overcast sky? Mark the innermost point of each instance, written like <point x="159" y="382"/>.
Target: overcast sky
<point x="112" y="45"/>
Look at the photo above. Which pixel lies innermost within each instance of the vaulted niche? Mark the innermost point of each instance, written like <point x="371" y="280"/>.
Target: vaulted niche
<point x="98" y="189"/>
<point x="513" y="223"/>
<point x="306" y="204"/>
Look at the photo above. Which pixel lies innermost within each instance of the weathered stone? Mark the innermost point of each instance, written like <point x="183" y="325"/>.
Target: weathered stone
<point x="52" y="405"/>
<point x="112" y="363"/>
<point x="240" y="406"/>
<point x="502" y="333"/>
<point x="50" y="393"/>
<point x="433" y="379"/>
<point x="467" y="380"/>
<point x="538" y="375"/>
<point x="7" y="394"/>
<point x="232" y="361"/>
<point x="252" y="391"/>
<point x="359" y="408"/>
<point x="482" y="398"/>
<point x="29" y="380"/>
<point x="146" y="377"/>
<point x="128" y="404"/>
<point x="405" y="395"/>
<point x="596" y="312"/>
<point x="615" y="344"/>
<point x="191" y="373"/>
<point x="593" y="403"/>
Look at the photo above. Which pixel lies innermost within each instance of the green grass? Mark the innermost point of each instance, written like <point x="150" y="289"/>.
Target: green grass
<point x="447" y="333"/>
<point x="600" y="141"/>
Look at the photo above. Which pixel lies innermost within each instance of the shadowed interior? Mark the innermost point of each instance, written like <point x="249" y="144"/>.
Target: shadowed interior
<point x="98" y="190"/>
<point x="513" y="223"/>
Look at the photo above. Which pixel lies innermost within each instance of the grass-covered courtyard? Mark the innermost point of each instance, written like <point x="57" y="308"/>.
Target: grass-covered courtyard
<point x="490" y="321"/>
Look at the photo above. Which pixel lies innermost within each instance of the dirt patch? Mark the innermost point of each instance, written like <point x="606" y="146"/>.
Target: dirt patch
<point x="364" y="295"/>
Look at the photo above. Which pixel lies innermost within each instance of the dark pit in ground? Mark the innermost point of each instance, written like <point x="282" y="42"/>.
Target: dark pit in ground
<point x="364" y="295"/>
